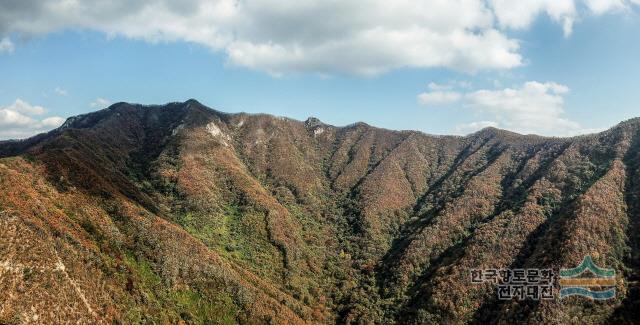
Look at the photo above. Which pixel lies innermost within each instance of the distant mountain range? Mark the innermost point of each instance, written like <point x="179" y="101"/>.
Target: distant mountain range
<point x="180" y="213"/>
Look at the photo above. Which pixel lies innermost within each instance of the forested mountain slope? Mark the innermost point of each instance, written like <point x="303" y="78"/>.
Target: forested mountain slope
<point x="182" y="213"/>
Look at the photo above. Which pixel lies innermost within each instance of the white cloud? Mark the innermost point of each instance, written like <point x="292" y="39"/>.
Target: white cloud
<point x="6" y="45"/>
<point x="17" y="121"/>
<point x="318" y="36"/>
<point x="436" y="86"/>
<point x="60" y="91"/>
<point x="442" y="94"/>
<point x="290" y="36"/>
<point x="603" y="6"/>
<point x="438" y="97"/>
<point x="12" y="118"/>
<point x="474" y="126"/>
<point x="100" y="103"/>
<point x="520" y="14"/>
<point x="449" y="85"/>
<point x="21" y="106"/>
<point x="52" y="122"/>
<point x="533" y="107"/>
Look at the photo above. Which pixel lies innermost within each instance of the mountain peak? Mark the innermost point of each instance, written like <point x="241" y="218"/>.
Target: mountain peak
<point x="313" y="122"/>
<point x="192" y="101"/>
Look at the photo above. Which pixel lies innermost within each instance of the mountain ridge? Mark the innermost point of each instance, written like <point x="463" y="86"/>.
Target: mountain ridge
<point x="488" y="129"/>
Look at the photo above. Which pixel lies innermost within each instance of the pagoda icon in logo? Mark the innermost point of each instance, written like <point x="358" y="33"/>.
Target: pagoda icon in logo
<point x="588" y="280"/>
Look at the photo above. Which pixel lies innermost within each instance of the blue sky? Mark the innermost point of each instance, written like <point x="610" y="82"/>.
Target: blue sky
<point x="571" y="72"/>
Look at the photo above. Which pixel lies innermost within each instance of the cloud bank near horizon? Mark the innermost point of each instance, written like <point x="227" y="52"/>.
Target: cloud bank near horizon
<point x="21" y="120"/>
<point x="531" y="108"/>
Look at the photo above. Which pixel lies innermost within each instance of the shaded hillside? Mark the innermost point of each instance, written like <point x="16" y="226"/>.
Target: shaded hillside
<point x="182" y="213"/>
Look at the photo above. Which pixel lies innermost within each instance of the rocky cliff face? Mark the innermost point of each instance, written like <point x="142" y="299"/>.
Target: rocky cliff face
<point x="181" y="213"/>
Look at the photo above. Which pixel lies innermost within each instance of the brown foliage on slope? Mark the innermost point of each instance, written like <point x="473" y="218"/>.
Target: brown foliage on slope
<point x="182" y="213"/>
